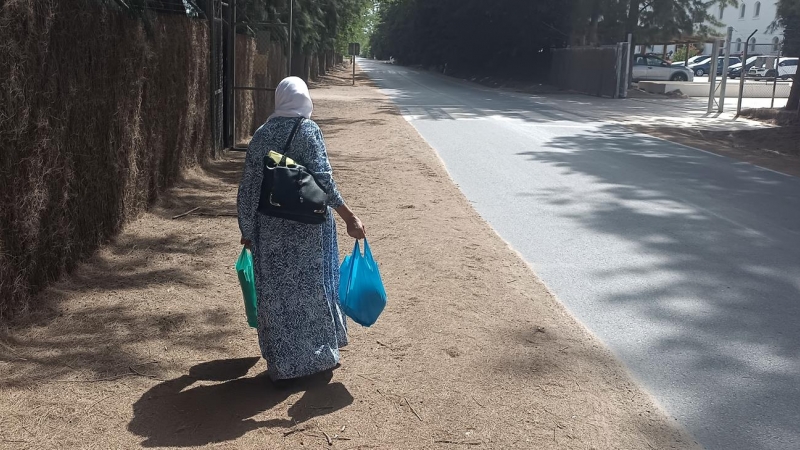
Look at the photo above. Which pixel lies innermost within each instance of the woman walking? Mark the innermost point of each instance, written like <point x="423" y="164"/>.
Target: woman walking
<point x="300" y="325"/>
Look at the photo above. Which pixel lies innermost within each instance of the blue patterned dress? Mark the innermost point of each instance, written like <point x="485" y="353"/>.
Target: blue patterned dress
<point x="300" y="325"/>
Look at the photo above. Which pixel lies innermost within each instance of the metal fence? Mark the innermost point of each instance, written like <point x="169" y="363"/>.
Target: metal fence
<point x="751" y="76"/>
<point x="219" y="13"/>
<point x="599" y="71"/>
<point x="250" y="52"/>
<point x="766" y="75"/>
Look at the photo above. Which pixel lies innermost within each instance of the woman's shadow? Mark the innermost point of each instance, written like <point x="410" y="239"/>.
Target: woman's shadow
<point x="174" y="414"/>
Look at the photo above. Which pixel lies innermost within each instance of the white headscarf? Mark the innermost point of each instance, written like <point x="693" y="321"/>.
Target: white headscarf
<point x="292" y="99"/>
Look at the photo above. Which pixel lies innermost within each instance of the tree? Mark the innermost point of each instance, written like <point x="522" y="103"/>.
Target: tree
<point x="319" y="29"/>
<point x="471" y="35"/>
<point x="516" y="35"/>
<point x="651" y="21"/>
<point x="788" y="17"/>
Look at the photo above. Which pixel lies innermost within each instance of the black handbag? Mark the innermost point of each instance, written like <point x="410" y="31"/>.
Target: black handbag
<point x="289" y="191"/>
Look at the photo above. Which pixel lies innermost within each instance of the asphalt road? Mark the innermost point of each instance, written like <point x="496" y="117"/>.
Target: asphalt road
<point x="686" y="264"/>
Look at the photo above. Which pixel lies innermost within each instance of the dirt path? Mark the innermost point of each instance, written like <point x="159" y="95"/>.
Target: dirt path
<point x="147" y="345"/>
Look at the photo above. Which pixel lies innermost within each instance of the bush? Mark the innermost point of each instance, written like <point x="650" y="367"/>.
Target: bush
<point x="96" y="118"/>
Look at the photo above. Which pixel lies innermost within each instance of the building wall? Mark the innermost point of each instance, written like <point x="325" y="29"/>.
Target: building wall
<point x="744" y="24"/>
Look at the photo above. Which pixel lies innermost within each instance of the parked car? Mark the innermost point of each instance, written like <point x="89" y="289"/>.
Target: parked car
<point x="735" y="71"/>
<point x="704" y="67"/>
<point x="653" y="68"/>
<point x="693" y="60"/>
<point x="786" y="68"/>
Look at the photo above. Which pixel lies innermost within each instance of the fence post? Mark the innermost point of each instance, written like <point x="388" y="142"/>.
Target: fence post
<point x="724" y="82"/>
<point x="744" y="73"/>
<point x="712" y="75"/>
<point x="628" y="65"/>
<point x="619" y="70"/>
<point x="775" y="80"/>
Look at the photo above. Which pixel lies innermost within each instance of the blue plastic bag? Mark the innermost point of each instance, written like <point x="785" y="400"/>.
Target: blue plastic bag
<point x="247" y="280"/>
<point x="361" y="292"/>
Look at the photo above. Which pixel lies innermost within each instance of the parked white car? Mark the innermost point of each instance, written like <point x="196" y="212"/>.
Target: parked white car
<point x="653" y="68"/>
<point x="786" y="68"/>
<point x="693" y="60"/>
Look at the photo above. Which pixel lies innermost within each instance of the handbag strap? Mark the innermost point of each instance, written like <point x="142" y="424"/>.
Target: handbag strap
<point x="289" y="141"/>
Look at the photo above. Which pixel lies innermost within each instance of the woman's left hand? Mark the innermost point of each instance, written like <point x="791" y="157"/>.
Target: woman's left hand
<point x="356" y="229"/>
<point x="247" y="243"/>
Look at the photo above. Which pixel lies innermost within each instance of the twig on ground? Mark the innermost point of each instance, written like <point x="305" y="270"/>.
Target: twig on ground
<point x="385" y="345"/>
<point x="366" y="378"/>
<point x="224" y="214"/>
<point x="447" y="441"/>
<point x="144" y="374"/>
<point x="328" y="438"/>
<point x="133" y="372"/>
<point x="185" y="214"/>
<point x="412" y="409"/>
<point x="479" y="403"/>
<point x="291" y="432"/>
<point x="97" y="380"/>
<point x="93" y="404"/>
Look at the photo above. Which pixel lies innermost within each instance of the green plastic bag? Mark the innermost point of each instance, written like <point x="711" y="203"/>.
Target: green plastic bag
<point x="244" y="268"/>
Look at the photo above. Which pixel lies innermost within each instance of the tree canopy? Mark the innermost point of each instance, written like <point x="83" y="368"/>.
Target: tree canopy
<point x="318" y="26"/>
<point x="506" y="34"/>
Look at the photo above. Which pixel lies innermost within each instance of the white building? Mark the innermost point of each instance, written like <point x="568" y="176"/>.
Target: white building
<point x="751" y="15"/>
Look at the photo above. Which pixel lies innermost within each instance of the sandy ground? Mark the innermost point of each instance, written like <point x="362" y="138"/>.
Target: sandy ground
<point x="146" y="345"/>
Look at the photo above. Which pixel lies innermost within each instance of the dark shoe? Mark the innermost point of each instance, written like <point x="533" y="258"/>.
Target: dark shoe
<point x="285" y="384"/>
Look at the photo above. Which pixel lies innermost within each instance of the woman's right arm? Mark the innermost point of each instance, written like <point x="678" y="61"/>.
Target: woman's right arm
<point x="355" y="228"/>
<point x="321" y="167"/>
<point x="250" y="191"/>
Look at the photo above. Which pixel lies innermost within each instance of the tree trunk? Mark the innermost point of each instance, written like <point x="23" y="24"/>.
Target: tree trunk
<point x="314" y="67"/>
<point x="791" y="47"/>
<point x="594" y="21"/>
<point x="632" y="26"/>
<point x="633" y="17"/>
<point x="794" y="97"/>
<point x="298" y="66"/>
<point x="306" y="68"/>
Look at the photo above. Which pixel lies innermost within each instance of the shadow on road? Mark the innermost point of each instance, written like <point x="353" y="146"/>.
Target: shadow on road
<point x="718" y="270"/>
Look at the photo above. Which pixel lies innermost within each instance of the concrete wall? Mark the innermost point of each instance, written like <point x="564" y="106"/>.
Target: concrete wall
<point x="752" y="90"/>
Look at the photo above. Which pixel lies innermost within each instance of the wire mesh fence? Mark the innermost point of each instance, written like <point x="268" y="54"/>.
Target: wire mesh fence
<point x="765" y="74"/>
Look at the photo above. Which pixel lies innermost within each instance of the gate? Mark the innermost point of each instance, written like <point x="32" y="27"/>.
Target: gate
<point x="248" y="60"/>
<point x="218" y="12"/>
<point x="260" y="62"/>
<point x="599" y="71"/>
